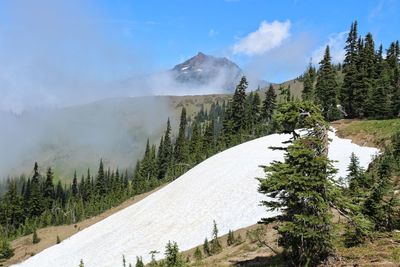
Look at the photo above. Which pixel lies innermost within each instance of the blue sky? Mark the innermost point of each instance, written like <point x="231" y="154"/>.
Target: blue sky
<point x="162" y="33"/>
<point x="175" y="30"/>
<point x="52" y="50"/>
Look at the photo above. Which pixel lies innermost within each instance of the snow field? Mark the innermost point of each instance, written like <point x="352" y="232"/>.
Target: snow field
<point x="222" y="188"/>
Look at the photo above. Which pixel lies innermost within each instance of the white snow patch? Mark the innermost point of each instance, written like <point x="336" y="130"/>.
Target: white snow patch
<point x="222" y="188"/>
<point x="185" y="68"/>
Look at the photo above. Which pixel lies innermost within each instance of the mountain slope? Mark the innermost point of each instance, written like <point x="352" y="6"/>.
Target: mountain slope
<point x="202" y="70"/>
<point x="217" y="189"/>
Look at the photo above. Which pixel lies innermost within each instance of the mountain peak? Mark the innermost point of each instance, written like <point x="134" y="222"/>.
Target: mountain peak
<point x="207" y="70"/>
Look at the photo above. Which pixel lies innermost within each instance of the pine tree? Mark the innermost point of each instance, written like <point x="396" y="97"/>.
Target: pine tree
<point x="172" y="256"/>
<point x="101" y="180"/>
<point x="196" y="144"/>
<point x="36" y="204"/>
<point x="299" y="188"/>
<point x="215" y="244"/>
<point x="208" y="140"/>
<point x="60" y="194"/>
<point x="356" y="178"/>
<point x="74" y="187"/>
<point x="238" y="106"/>
<point x="326" y="88"/>
<point x="48" y="190"/>
<point x="139" y="262"/>
<point x="308" y="87"/>
<point x="206" y="248"/>
<point x="181" y="152"/>
<point x="231" y="238"/>
<point x="269" y="104"/>
<point x="12" y="206"/>
<point x="165" y="158"/>
<point x="255" y="112"/>
<point x="81" y="264"/>
<point x="382" y="203"/>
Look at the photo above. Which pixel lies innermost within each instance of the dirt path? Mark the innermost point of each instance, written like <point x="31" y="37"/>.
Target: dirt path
<point x="24" y="248"/>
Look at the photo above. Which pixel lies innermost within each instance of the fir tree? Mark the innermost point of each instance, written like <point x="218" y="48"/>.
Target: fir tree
<point x="206" y="248"/>
<point x="196" y="144"/>
<point x="172" y="256"/>
<point x="101" y="180"/>
<point x="269" y="104"/>
<point x="326" y="88"/>
<point x="165" y="158"/>
<point x="299" y="186"/>
<point x="48" y="190"/>
<point x="238" y="106"/>
<point x="356" y="178"/>
<point x="215" y="244"/>
<point x="36" y="204"/>
<point x="231" y="238"/>
<point x="139" y="262"/>
<point x="198" y="255"/>
<point x="308" y="87"/>
<point x="181" y="153"/>
<point x="11" y="206"/>
<point x="74" y="187"/>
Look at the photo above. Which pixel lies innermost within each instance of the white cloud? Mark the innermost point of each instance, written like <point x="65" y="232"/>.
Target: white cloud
<point x="336" y="44"/>
<point x="265" y="38"/>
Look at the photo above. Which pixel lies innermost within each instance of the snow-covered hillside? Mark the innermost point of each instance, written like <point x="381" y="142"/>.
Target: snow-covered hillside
<point x="222" y="188"/>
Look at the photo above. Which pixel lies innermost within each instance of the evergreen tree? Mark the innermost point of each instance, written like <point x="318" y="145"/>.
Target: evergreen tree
<point x="215" y="244"/>
<point x="269" y="104"/>
<point x="196" y="144"/>
<point x="181" y="152"/>
<point x="101" y="180"/>
<point x="254" y="112"/>
<point x="11" y="206"/>
<point x="308" y="87"/>
<point x="36" y="204"/>
<point x="206" y="248"/>
<point x="382" y="204"/>
<point x="164" y="161"/>
<point x="299" y="188"/>
<point x="48" y="190"/>
<point x="238" y="106"/>
<point x="172" y="256"/>
<point x="139" y="262"/>
<point x="74" y="187"/>
<point x="231" y="238"/>
<point x="198" y="255"/>
<point x="326" y="88"/>
<point x="356" y="178"/>
<point x="208" y="140"/>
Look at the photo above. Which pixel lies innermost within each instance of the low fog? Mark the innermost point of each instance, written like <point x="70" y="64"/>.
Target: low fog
<point x="66" y="89"/>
